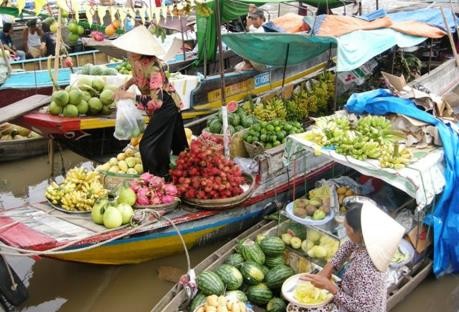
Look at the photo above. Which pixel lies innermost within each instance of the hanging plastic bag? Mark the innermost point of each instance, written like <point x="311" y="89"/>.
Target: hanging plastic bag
<point x="129" y="120"/>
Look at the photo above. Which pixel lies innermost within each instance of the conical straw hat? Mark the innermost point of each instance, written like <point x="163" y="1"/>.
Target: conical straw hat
<point x="140" y="41"/>
<point x="381" y="235"/>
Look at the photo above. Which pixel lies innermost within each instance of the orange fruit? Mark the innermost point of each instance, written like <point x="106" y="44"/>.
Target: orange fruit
<point x="110" y="30"/>
<point x="116" y="24"/>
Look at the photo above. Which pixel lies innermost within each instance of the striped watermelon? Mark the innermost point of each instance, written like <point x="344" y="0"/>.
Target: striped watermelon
<point x="252" y="272"/>
<point x="250" y="251"/>
<point x="276" y="304"/>
<point x="277" y="275"/>
<point x="234" y="259"/>
<point x="236" y="295"/>
<point x="272" y="262"/>
<point x="259" y="294"/>
<point x="265" y="269"/>
<point x="272" y="246"/>
<point x="230" y="276"/>
<point x="198" y="300"/>
<point x="209" y="283"/>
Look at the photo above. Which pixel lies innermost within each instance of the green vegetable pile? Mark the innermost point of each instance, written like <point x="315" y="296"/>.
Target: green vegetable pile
<point x="372" y="137"/>
<point x="273" y="133"/>
<point x="237" y="121"/>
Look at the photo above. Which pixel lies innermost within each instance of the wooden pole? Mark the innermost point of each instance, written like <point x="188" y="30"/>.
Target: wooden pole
<point x="222" y="79"/>
<point x="451" y="40"/>
<point x="454" y="18"/>
<point x="57" y="51"/>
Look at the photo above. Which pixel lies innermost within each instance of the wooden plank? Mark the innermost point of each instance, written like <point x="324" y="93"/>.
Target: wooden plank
<point x="23" y="106"/>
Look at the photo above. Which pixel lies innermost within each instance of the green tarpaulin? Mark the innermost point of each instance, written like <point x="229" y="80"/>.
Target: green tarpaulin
<point x="275" y="49"/>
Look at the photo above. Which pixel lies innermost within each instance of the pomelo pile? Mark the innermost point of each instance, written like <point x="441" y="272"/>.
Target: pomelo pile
<point x="87" y="97"/>
<point x="97" y="70"/>
<point x="75" y="32"/>
<point x="202" y="172"/>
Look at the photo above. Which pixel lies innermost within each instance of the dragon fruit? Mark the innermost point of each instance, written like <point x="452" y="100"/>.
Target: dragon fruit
<point x="168" y="199"/>
<point x="147" y="177"/>
<point x="170" y="189"/>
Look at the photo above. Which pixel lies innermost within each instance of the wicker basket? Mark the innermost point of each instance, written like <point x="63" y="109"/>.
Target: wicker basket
<point x="163" y="208"/>
<point x="112" y="181"/>
<point x="224" y="203"/>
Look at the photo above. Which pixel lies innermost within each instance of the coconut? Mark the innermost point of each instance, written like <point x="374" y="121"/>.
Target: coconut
<point x="83" y="107"/>
<point x="54" y="109"/>
<point x="70" y="111"/>
<point x="60" y="97"/>
<point x="95" y="105"/>
<point x="75" y="96"/>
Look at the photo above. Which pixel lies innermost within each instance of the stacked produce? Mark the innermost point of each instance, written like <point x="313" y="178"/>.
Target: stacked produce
<point x="127" y="162"/>
<point x="116" y="213"/>
<point x="10" y="132"/>
<point x="371" y="137"/>
<point x="75" y="32"/>
<point x="255" y="273"/>
<point x="316" y="207"/>
<point x="124" y="68"/>
<point x="79" y="191"/>
<point x="216" y="303"/>
<point x="306" y="293"/>
<point x="113" y="28"/>
<point x="203" y="172"/>
<point x="152" y="190"/>
<point x="237" y="121"/>
<point x="271" y="134"/>
<point x="89" y="97"/>
<point x="267" y="110"/>
<point x="98" y="70"/>
<point x="313" y="243"/>
<point x="343" y="192"/>
<point x="312" y="99"/>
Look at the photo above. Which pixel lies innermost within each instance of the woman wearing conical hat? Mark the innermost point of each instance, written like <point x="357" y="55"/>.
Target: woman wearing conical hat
<point x="165" y="131"/>
<point x="373" y="240"/>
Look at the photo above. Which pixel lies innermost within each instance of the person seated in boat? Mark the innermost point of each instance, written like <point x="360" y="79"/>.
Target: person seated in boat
<point x="373" y="240"/>
<point x="5" y="38"/>
<point x="49" y="38"/>
<point x="165" y="131"/>
<point x="255" y="20"/>
<point x="33" y="45"/>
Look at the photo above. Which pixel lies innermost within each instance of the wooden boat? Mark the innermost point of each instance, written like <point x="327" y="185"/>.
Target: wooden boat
<point x="38" y="227"/>
<point x="23" y="148"/>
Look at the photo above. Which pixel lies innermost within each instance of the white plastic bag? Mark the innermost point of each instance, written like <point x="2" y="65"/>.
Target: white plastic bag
<point x="129" y="120"/>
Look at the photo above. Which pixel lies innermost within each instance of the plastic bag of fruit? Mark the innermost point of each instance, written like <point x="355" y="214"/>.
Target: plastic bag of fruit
<point x="129" y="120"/>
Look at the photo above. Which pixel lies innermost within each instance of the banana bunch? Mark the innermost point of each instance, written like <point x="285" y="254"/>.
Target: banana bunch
<point x="377" y="128"/>
<point x="271" y="109"/>
<point x="202" y="9"/>
<point x="79" y="191"/>
<point x="316" y="136"/>
<point x="359" y="147"/>
<point x="394" y="157"/>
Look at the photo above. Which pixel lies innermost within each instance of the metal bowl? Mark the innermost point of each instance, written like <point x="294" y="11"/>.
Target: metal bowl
<point x="359" y="200"/>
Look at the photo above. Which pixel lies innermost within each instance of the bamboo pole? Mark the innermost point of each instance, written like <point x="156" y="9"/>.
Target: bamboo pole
<point x="451" y="40"/>
<point x="454" y="18"/>
<point x="57" y="51"/>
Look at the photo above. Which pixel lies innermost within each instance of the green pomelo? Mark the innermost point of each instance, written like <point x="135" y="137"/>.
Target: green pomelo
<point x="54" y="109"/>
<point x="86" y="95"/>
<point x="75" y="96"/>
<point x="61" y="97"/>
<point x="83" y="107"/>
<point x="73" y="28"/>
<point x="98" y="84"/>
<point x="73" y="37"/>
<point x="70" y="111"/>
<point x="106" y="110"/>
<point x="84" y="81"/>
<point x="95" y="105"/>
<point x="107" y="97"/>
<point x="80" y="30"/>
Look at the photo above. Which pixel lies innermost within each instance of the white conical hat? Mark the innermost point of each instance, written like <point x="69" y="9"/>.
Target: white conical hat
<point x="140" y="41"/>
<point x="381" y="235"/>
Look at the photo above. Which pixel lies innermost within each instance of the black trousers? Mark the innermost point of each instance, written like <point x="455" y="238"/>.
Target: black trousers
<point x="164" y="133"/>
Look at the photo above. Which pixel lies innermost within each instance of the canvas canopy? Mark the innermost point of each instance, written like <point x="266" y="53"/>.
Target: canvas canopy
<point x="278" y="49"/>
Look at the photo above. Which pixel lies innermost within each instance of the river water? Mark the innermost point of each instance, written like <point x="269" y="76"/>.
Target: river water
<point x="64" y="286"/>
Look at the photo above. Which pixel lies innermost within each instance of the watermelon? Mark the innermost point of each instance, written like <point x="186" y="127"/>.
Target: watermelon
<point x="265" y="269"/>
<point x="198" y="300"/>
<point x="272" y="246"/>
<point x="259" y="294"/>
<point x="230" y="276"/>
<point x="252" y="252"/>
<point x="277" y="275"/>
<point x="276" y="304"/>
<point x="272" y="262"/>
<point x="209" y="283"/>
<point x="215" y="126"/>
<point x="234" y="259"/>
<point x="252" y="272"/>
<point x="236" y="295"/>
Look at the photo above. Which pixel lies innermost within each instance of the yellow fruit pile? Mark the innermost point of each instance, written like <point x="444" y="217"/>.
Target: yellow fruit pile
<point x="221" y="304"/>
<point x="306" y="293"/>
<point x="127" y="162"/>
<point x="79" y="191"/>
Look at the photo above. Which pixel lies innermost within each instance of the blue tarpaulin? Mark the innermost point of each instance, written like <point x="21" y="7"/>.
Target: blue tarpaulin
<point x="445" y="217"/>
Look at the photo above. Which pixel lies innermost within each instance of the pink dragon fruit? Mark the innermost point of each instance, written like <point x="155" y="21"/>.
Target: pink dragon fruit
<point x="156" y="182"/>
<point x="167" y="199"/>
<point x="155" y="200"/>
<point x="142" y="196"/>
<point x="170" y="189"/>
<point x="135" y="185"/>
<point x="147" y="177"/>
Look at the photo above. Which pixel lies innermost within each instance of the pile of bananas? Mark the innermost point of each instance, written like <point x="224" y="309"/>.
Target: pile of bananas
<point x="372" y="137"/>
<point x="79" y="191"/>
<point x="271" y="109"/>
<point x="394" y="157"/>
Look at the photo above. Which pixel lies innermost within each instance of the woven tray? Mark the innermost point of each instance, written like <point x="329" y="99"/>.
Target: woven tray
<point x="164" y="207"/>
<point x="225" y="203"/>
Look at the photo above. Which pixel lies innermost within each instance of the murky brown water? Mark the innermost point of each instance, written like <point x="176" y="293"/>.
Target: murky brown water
<point x="64" y="286"/>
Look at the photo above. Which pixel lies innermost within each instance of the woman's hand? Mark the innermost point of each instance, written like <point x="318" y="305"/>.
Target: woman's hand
<point x="320" y="281"/>
<point x="121" y="94"/>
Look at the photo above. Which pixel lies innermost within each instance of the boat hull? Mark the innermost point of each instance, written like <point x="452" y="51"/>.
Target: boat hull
<point x="19" y="149"/>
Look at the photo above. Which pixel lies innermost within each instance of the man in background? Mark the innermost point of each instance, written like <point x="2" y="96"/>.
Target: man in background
<point x="5" y="38"/>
